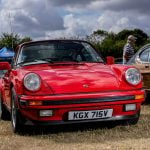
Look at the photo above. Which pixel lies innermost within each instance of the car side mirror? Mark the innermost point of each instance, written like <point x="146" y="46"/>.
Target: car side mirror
<point x="110" y="60"/>
<point x="5" y="66"/>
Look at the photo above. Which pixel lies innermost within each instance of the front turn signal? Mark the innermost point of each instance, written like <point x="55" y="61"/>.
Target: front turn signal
<point x="139" y="96"/>
<point x="35" y="103"/>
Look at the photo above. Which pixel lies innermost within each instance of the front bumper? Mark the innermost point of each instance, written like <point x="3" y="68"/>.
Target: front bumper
<point x="62" y="104"/>
<point x="114" y="118"/>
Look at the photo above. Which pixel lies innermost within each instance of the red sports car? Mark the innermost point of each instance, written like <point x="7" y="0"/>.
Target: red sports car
<point x="67" y="81"/>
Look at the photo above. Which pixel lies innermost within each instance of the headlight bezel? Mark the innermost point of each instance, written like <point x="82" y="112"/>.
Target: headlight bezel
<point x="138" y="73"/>
<point x="32" y="75"/>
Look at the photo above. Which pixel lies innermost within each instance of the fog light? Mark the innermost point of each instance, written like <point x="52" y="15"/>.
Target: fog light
<point x="46" y="113"/>
<point x="130" y="107"/>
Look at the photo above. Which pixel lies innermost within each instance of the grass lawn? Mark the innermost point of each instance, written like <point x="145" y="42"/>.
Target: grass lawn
<point x="81" y="137"/>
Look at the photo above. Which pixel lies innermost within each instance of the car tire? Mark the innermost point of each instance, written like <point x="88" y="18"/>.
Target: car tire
<point x="4" y="113"/>
<point x="133" y="121"/>
<point x="16" y="117"/>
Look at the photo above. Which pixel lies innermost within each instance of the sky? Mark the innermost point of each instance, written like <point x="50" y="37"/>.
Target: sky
<point x="44" y="19"/>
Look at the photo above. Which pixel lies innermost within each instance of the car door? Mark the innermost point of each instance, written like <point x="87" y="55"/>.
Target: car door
<point x="142" y="62"/>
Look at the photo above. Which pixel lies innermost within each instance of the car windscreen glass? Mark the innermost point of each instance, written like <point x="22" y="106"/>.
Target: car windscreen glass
<point x="144" y="55"/>
<point x="59" y="52"/>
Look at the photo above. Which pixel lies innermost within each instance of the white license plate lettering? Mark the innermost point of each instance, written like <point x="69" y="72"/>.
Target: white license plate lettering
<point x="95" y="114"/>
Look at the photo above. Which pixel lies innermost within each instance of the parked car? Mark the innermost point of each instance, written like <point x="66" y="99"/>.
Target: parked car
<point x="65" y="82"/>
<point x="141" y="60"/>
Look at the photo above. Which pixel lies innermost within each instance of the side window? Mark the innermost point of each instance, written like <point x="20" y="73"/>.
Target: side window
<point x="144" y="55"/>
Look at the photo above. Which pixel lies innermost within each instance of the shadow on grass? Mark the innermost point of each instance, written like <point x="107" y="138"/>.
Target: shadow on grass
<point x="99" y="132"/>
<point x="40" y="130"/>
<point x="90" y="132"/>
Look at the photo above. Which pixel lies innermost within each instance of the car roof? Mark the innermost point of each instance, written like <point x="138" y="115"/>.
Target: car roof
<point x="58" y="40"/>
<point x="146" y="45"/>
<point x="142" y="48"/>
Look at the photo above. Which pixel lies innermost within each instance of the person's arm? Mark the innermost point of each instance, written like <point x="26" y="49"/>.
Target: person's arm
<point x="126" y="56"/>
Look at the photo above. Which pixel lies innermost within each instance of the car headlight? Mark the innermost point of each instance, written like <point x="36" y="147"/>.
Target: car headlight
<point x="32" y="82"/>
<point x="133" y="76"/>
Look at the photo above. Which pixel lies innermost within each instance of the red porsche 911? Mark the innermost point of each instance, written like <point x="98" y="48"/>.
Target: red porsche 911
<point x="67" y="81"/>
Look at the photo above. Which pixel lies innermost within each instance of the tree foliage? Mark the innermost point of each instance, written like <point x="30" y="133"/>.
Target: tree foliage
<point x="12" y="40"/>
<point x="112" y="44"/>
<point x="108" y="43"/>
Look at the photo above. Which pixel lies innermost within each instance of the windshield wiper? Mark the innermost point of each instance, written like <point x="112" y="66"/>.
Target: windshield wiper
<point x="48" y="60"/>
<point x="27" y="61"/>
<point x="99" y="62"/>
<point x="36" y="60"/>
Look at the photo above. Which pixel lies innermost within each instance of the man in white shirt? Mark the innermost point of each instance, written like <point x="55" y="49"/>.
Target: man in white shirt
<point x="128" y="50"/>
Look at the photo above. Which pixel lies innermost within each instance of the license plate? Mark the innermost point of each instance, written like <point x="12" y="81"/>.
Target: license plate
<point x="92" y="114"/>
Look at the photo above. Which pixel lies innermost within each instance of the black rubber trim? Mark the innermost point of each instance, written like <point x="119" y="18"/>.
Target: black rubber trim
<point x="87" y="100"/>
<point x="81" y="101"/>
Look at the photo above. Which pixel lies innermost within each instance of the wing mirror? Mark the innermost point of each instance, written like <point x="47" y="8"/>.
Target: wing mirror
<point x="5" y="66"/>
<point x="110" y="60"/>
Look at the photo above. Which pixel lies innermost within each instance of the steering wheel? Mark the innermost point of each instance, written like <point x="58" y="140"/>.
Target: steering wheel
<point x="67" y="58"/>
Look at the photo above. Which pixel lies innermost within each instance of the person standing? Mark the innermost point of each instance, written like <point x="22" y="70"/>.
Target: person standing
<point x="129" y="48"/>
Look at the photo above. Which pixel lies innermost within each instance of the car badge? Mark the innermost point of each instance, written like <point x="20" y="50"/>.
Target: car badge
<point x="85" y="85"/>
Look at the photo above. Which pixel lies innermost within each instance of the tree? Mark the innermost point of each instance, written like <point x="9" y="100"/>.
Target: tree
<point x="112" y="44"/>
<point x="12" y="40"/>
<point x="97" y="36"/>
<point x="141" y="35"/>
<point x="9" y="40"/>
<point x="25" y="39"/>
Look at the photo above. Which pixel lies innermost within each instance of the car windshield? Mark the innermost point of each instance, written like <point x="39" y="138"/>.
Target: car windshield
<point x="58" y="51"/>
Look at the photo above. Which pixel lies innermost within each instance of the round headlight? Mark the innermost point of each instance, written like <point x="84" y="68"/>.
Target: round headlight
<point x="133" y="76"/>
<point x="32" y="82"/>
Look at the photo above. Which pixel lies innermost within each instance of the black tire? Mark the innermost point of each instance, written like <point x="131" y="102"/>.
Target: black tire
<point x="133" y="121"/>
<point x="16" y="117"/>
<point x="4" y="113"/>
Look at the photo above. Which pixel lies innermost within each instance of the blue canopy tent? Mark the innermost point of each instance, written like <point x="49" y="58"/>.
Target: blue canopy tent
<point x="6" y="54"/>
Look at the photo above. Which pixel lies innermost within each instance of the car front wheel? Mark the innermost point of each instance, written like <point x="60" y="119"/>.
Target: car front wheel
<point x="133" y="121"/>
<point x="16" y="118"/>
<point x="4" y="113"/>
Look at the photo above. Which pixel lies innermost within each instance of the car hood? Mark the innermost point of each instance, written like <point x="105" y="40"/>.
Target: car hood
<point x="76" y="78"/>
